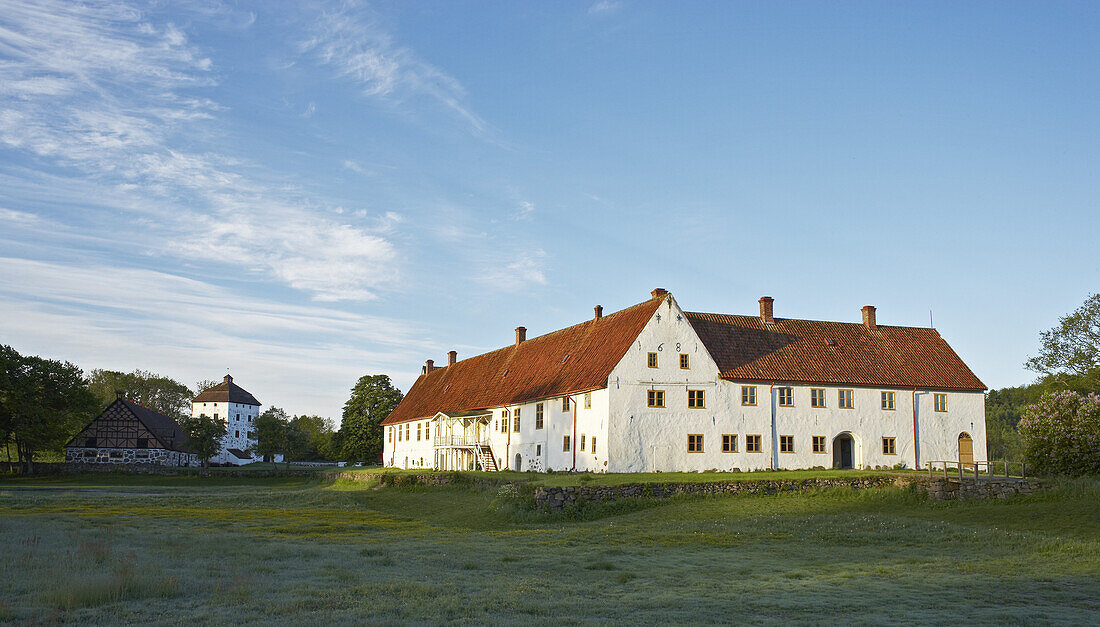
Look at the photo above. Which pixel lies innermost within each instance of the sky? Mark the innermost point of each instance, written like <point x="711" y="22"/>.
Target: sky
<point x="301" y="193"/>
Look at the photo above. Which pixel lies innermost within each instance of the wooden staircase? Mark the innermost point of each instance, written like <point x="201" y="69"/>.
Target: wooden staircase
<point x="485" y="457"/>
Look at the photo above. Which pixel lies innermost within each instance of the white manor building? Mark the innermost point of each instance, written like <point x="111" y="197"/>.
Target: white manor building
<point x="232" y="403"/>
<point x="655" y="388"/>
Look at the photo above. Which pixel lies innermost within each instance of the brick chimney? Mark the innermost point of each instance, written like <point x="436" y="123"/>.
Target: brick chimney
<point x="766" y="309"/>
<point x="869" y="316"/>
<point x="452" y="357"/>
<point x="429" y="366"/>
<point x="521" y="334"/>
<point x="658" y="292"/>
<point x="599" y="311"/>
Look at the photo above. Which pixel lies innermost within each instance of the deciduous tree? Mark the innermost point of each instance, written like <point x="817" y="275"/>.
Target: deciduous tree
<point x="271" y="431"/>
<point x="204" y="435"/>
<point x="372" y="399"/>
<point x="1072" y="347"/>
<point x="158" y="393"/>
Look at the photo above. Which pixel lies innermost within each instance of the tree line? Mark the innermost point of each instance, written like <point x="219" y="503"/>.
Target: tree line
<point x="45" y="402"/>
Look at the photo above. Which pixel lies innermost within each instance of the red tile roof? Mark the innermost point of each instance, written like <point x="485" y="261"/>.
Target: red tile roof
<point x="574" y="359"/>
<point x="800" y="351"/>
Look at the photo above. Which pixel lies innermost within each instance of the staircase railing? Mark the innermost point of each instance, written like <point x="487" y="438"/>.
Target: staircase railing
<point x="965" y="468"/>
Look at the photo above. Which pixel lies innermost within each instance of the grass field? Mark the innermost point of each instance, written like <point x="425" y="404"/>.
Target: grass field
<point x="107" y="549"/>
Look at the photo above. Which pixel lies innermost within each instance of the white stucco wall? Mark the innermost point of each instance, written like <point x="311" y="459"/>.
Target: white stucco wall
<point x="239" y="419"/>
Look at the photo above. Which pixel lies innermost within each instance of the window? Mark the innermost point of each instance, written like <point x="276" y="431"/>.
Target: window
<point x="593" y="445"/>
<point x="729" y="443"/>
<point x="389" y="435"/>
<point x="845" y="399"/>
<point x="748" y="394"/>
<point x="215" y="415"/>
<point x="819" y="444"/>
<point x="695" y="443"/>
<point x="236" y="434"/>
<point x="695" y="399"/>
<point x="515" y="420"/>
<point x="940" y="401"/>
<point x="588" y="400"/>
<point x="786" y="397"/>
<point x="418" y="432"/>
<point x="238" y="416"/>
<point x="888" y="400"/>
<point x="817" y="397"/>
<point x="538" y="415"/>
<point x="504" y="425"/>
<point x="143" y="443"/>
<point x="651" y="360"/>
<point x="538" y="450"/>
<point x="752" y="444"/>
<point x="565" y="443"/>
<point x="684" y="361"/>
<point x="655" y="398"/>
<point x="407" y="428"/>
<point x="889" y="446"/>
<point x="582" y="443"/>
<point x="399" y="433"/>
<point x="565" y="403"/>
<point x="427" y="429"/>
<point x="786" y="444"/>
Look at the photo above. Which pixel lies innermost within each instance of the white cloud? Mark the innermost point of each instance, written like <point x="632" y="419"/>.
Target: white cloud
<point x="95" y="89"/>
<point x="604" y="7"/>
<point x="347" y="38"/>
<point x="515" y="273"/>
<point x="525" y="211"/>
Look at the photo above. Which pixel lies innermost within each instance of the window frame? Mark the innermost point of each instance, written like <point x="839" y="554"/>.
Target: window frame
<point x="581" y="443"/>
<point x="751" y="391"/>
<point x="893" y="445"/>
<point x="887" y="398"/>
<point x="566" y="444"/>
<point x="758" y="439"/>
<point x="821" y="450"/>
<point x="786" y="444"/>
<point x="790" y="396"/>
<point x="540" y="415"/>
<point x="588" y="400"/>
<point x="697" y="399"/>
<point x="728" y="438"/>
<point x="817" y="398"/>
<point x="937" y="397"/>
<point x="565" y="404"/>
<point x="651" y="360"/>
<point x="685" y="361"/>
<point x="846" y="394"/>
<point x="655" y="399"/>
<point x="695" y="443"/>
<point x="515" y="420"/>
<point x="593" y="445"/>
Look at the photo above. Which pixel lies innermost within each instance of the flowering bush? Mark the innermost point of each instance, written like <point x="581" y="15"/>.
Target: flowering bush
<point x="1061" y="434"/>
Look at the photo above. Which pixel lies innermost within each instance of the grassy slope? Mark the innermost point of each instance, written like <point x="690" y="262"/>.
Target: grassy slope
<point x="187" y="549"/>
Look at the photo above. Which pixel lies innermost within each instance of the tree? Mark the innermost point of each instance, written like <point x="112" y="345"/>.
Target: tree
<point x="1061" y="434"/>
<point x="158" y="393"/>
<point x="309" y="438"/>
<point x="271" y="430"/>
<point x="204" y="435"/>
<point x="43" y="403"/>
<point x="372" y="399"/>
<point x="204" y="385"/>
<point x="1073" y="347"/>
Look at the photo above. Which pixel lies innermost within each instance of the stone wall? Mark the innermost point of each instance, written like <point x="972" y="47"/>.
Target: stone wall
<point x="953" y="488"/>
<point x="127" y="456"/>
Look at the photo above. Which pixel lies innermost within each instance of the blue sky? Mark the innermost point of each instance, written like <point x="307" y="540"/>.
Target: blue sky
<point x="303" y="193"/>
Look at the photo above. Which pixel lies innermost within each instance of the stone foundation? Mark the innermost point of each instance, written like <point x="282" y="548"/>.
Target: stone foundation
<point x="127" y="456"/>
<point x="953" y="488"/>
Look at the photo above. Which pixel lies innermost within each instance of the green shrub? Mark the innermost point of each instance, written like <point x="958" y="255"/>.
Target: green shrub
<point x="1061" y="434"/>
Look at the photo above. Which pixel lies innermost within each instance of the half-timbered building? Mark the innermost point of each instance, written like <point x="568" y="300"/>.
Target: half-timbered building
<point x="129" y="433"/>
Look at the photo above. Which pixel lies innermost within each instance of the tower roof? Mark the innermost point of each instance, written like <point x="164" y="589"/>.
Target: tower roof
<point x="226" y="392"/>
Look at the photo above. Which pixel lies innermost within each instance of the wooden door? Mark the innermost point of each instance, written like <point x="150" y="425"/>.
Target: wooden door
<point x="966" y="451"/>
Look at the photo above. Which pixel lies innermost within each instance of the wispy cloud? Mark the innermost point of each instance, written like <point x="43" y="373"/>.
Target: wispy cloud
<point x="515" y="273"/>
<point x="347" y="38"/>
<point x="98" y="90"/>
<point x="604" y="6"/>
<point x="525" y="211"/>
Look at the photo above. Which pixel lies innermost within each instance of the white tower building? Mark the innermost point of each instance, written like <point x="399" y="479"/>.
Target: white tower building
<point x="232" y="403"/>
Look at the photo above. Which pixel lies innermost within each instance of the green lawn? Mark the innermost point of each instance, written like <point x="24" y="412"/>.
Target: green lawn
<point x="111" y="549"/>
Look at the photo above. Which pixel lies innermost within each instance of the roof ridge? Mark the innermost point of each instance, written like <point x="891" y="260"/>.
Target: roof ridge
<point x="777" y="318"/>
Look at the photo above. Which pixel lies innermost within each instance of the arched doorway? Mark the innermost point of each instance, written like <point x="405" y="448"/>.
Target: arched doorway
<point x="966" y="450"/>
<point x="844" y="451"/>
<point x="519" y="462"/>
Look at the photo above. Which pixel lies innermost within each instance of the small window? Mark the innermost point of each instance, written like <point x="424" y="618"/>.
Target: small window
<point x="940" y="401"/>
<point x="236" y="434"/>
<point x="729" y="443"/>
<point x="889" y="446"/>
<point x="389" y="435"/>
<point x="588" y="400"/>
<point x="90" y="443"/>
<point x="888" y="401"/>
<point x="565" y="443"/>
<point x="695" y="399"/>
<point x="817" y="397"/>
<point x="238" y="416"/>
<point x="399" y="433"/>
<point x="427" y="430"/>
<point x="655" y="398"/>
<point x="407" y="431"/>
<point x="651" y="360"/>
<point x="819" y="444"/>
<point x="748" y="394"/>
<point x="504" y="425"/>
<point x="786" y="397"/>
<point x="143" y="443"/>
<point x="684" y="364"/>
<point x="846" y="399"/>
<point x="418" y="432"/>
<point x="515" y="420"/>
<point x="565" y="403"/>
<point x="593" y="445"/>
<point x="215" y="415"/>
<point x="695" y="443"/>
<point x="752" y="444"/>
<point x="581" y="448"/>
<point x="538" y="415"/>
<point x="786" y="444"/>
<point x="538" y="450"/>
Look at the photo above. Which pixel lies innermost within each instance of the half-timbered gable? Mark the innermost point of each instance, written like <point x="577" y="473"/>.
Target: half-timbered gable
<point x="128" y="433"/>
